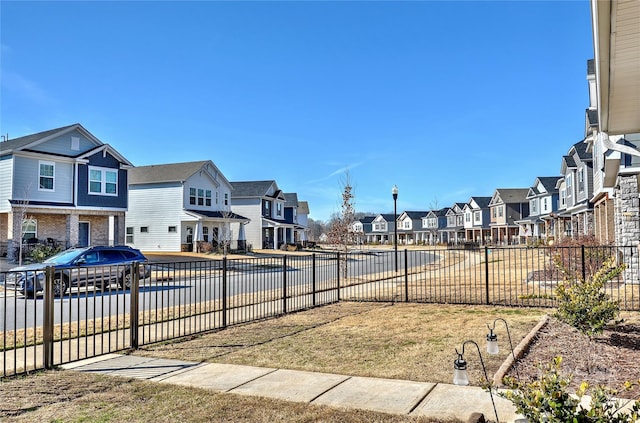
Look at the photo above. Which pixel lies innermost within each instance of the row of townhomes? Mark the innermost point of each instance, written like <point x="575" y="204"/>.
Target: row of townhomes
<point x="596" y="192"/>
<point x="65" y="187"/>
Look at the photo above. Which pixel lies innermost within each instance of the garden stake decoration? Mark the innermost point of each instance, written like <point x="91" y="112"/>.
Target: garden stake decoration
<point x="461" y="378"/>
<point x="492" y="342"/>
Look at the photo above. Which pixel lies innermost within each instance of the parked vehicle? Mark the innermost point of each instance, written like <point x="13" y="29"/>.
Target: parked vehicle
<point x="98" y="266"/>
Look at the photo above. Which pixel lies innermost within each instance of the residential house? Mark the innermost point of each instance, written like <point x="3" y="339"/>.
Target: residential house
<point x="543" y="201"/>
<point x="410" y="229"/>
<point x="433" y="224"/>
<point x="62" y="186"/>
<point x="508" y="205"/>
<point x="181" y="207"/>
<point x="293" y="214"/>
<point x="477" y="219"/>
<point x="575" y="189"/>
<point x="382" y="228"/>
<point x="454" y="231"/>
<point x="362" y="229"/>
<point x="303" y="221"/>
<point x="617" y="142"/>
<point x="263" y="203"/>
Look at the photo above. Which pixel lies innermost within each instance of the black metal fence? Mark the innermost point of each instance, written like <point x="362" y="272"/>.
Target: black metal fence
<point x="185" y="298"/>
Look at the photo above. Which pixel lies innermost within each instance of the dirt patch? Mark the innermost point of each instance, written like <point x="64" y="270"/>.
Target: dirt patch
<point x="610" y="359"/>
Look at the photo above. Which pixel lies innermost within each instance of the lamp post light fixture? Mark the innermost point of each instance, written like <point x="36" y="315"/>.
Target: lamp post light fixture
<point x="492" y="342"/>
<point x="460" y="376"/>
<point x="394" y="193"/>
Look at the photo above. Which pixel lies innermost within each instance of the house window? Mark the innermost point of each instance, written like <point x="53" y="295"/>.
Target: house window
<point x="569" y="181"/>
<point x="545" y="203"/>
<point x="467" y="217"/>
<point x="47" y="172"/>
<point x="476" y="216"/>
<point x="376" y="226"/>
<point x="266" y="208"/>
<point x="192" y="196"/>
<point x="533" y="206"/>
<point x="205" y="234"/>
<point x="75" y="143"/>
<point x="495" y="211"/>
<point x="103" y="181"/>
<point x="279" y="209"/>
<point x="173" y="229"/>
<point x="29" y="229"/>
<point x="563" y="197"/>
<point x="129" y="237"/>
<point x="407" y="225"/>
<point x="500" y="211"/>
<point x="144" y="229"/>
<point x="581" y="180"/>
<point x="207" y="198"/>
<point x="200" y="197"/>
<point x="226" y="199"/>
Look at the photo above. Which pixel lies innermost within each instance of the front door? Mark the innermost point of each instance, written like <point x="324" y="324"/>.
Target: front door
<point x="83" y="234"/>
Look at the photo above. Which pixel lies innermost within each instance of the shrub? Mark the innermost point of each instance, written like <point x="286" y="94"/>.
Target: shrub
<point x="583" y="303"/>
<point x="548" y="400"/>
<point x="41" y="252"/>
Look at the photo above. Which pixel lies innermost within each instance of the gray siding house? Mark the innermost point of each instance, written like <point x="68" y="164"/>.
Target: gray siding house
<point x="64" y="187"/>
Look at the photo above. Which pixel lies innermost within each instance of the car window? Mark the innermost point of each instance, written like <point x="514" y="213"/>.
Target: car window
<point x="112" y="256"/>
<point x="130" y="255"/>
<point x="91" y="257"/>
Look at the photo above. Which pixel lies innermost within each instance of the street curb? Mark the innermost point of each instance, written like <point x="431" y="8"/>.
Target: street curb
<point x="518" y="351"/>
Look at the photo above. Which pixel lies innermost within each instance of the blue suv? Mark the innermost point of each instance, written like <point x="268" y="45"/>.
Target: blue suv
<point x="75" y="267"/>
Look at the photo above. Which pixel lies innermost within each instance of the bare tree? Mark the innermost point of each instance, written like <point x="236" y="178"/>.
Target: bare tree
<point x="341" y="232"/>
<point x="223" y="236"/>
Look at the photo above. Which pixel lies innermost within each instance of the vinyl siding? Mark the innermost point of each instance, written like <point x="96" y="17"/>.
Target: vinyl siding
<point x="26" y="181"/>
<point x="251" y="209"/>
<point x="156" y="207"/>
<point x="6" y="181"/>
<point x="62" y="145"/>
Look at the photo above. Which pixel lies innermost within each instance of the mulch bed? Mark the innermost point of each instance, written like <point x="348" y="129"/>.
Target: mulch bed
<point x="610" y="359"/>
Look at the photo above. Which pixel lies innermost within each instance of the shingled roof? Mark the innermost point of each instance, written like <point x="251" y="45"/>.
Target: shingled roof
<point x="251" y="188"/>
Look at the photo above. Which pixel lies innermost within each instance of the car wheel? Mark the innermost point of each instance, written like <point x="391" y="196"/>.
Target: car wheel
<point x="60" y="285"/>
<point x="30" y="294"/>
<point x="125" y="280"/>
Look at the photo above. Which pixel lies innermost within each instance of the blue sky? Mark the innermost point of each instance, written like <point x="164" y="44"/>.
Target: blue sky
<point x="447" y="100"/>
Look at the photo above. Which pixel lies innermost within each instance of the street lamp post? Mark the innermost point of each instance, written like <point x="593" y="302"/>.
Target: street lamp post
<point x="394" y="192"/>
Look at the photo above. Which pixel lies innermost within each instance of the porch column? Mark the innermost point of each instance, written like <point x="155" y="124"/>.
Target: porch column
<point x="72" y="235"/>
<point x="14" y="226"/>
<point x="275" y="237"/>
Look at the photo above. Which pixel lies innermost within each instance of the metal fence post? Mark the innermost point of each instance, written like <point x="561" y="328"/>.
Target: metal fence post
<point x="284" y="284"/>
<point x="486" y="272"/>
<point x="584" y="265"/>
<point x="313" y="277"/>
<point x="134" y="307"/>
<point x="224" y="292"/>
<point x="406" y="276"/>
<point x="338" y="261"/>
<point x="47" y="335"/>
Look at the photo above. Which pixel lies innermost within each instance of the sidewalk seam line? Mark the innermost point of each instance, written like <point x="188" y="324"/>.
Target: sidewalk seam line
<point x="329" y="389"/>
<point x="424" y="397"/>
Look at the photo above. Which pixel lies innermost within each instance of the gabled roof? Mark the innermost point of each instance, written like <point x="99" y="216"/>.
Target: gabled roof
<point x="291" y="199"/>
<point x="510" y="195"/>
<point x="482" y="202"/>
<point x="438" y="213"/>
<point x="9" y="146"/>
<point x="387" y="217"/>
<point x="366" y="219"/>
<point x="416" y="215"/>
<point x="303" y="207"/>
<point x="252" y="188"/>
<point x="580" y="149"/>
<point x="216" y="214"/>
<point x="568" y="161"/>
<point x="548" y="182"/>
<point x="172" y="172"/>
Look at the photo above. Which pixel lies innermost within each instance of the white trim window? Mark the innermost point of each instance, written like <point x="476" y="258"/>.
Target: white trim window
<point x="46" y="173"/>
<point x="103" y="181"/>
<point x="29" y="229"/>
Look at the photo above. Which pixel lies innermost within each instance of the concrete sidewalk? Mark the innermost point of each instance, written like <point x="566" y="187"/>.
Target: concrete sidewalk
<point x="383" y="395"/>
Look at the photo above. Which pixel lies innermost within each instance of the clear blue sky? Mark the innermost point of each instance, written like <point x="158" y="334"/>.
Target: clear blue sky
<point x="445" y="99"/>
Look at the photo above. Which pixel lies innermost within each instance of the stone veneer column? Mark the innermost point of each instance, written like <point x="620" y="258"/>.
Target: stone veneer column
<point x="14" y="224"/>
<point x="73" y="228"/>
<point x="628" y="224"/>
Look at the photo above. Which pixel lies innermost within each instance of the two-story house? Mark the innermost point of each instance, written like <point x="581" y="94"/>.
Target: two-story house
<point x="382" y="228"/>
<point x="543" y="201"/>
<point x="181" y="207"/>
<point x="507" y="206"/>
<point x="362" y="229"/>
<point x="576" y="191"/>
<point x="409" y="226"/>
<point x="432" y="225"/>
<point x="477" y="219"/>
<point x="295" y="213"/>
<point x="263" y="203"/>
<point x="454" y="231"/>
<point x="62" y="186"/>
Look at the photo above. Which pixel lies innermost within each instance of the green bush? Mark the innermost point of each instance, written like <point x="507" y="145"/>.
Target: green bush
<point x="583" y="303"/>
<point x="548" y="400"/>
